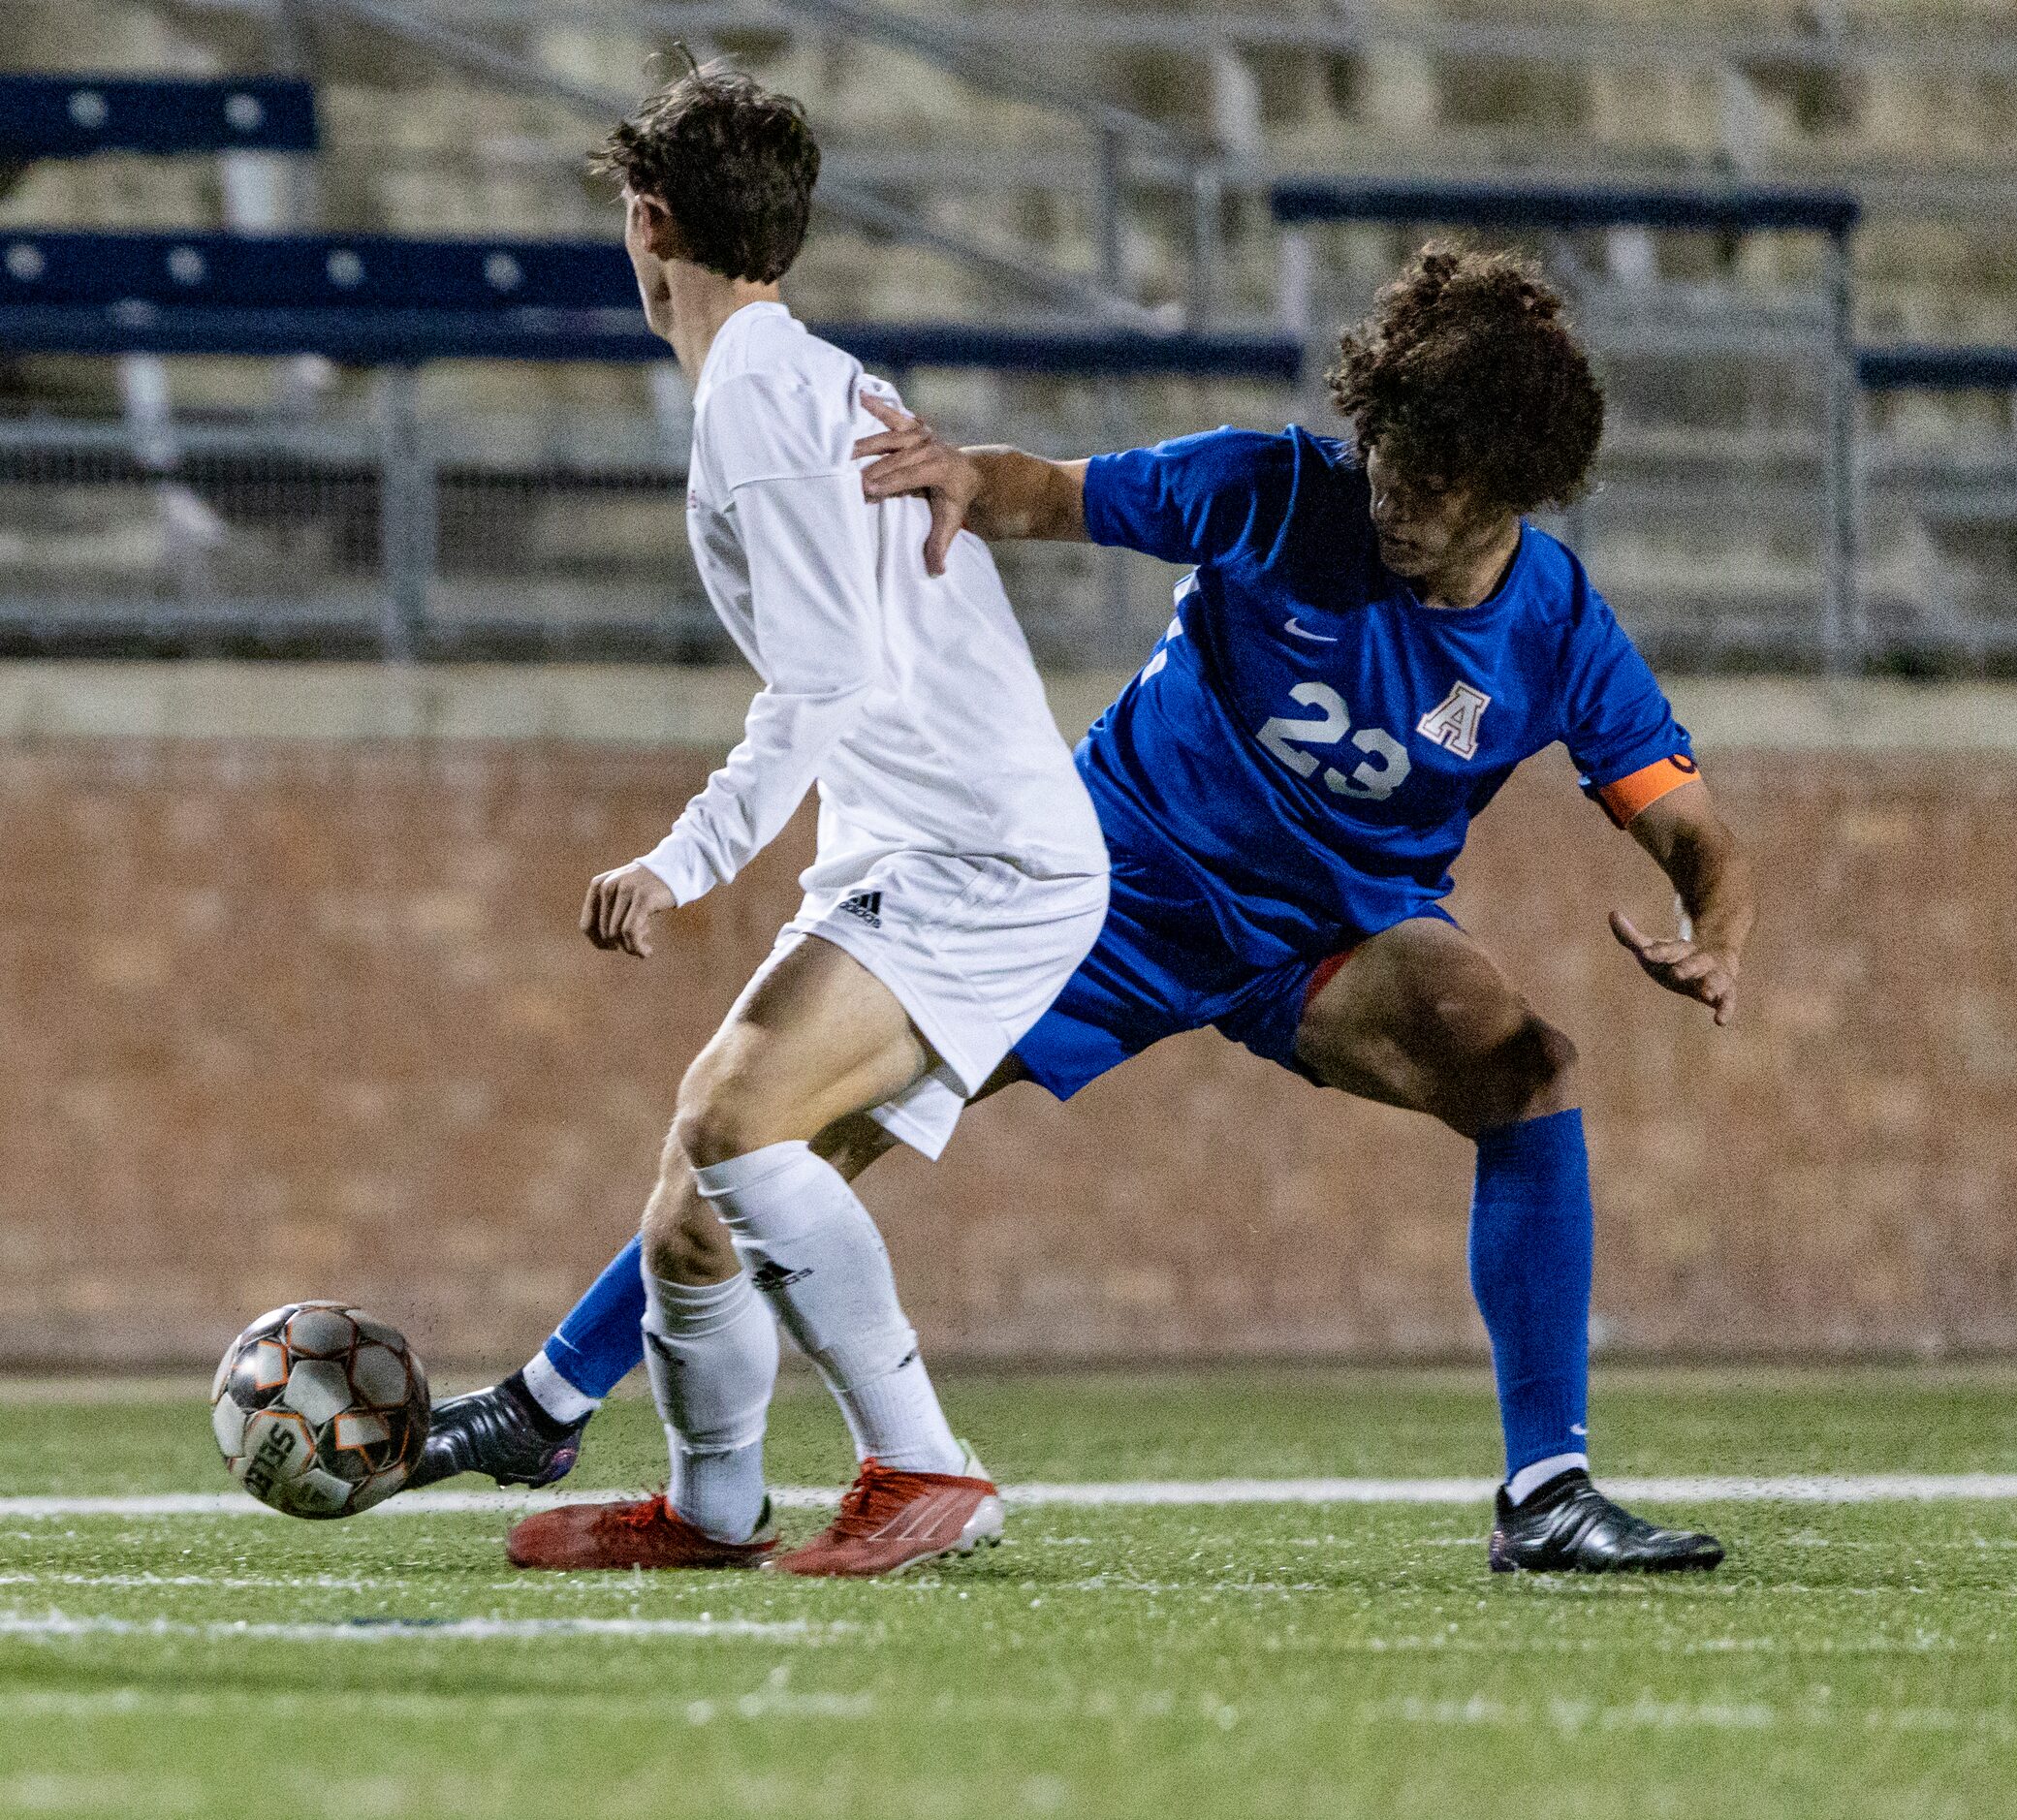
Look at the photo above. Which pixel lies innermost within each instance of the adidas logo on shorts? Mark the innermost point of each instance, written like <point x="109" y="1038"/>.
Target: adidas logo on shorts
<point x="865" y="904"/>
<point x="771" y="1276"/>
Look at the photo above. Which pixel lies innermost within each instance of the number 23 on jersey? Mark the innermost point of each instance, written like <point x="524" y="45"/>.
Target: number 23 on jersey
<point x="1373" y="779"/>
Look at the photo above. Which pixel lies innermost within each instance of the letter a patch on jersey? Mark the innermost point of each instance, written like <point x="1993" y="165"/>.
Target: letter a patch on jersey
<point x="1453" y="722"/>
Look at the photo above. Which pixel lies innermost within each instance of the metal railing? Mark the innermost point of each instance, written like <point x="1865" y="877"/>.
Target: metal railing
<point x="1025" y="272"/>
<point x="406" y="532"/>
<point x="1300" y="203"/>
<point x="386" y="535"/>
<point x="1741" y="51"/>
<point x="1123" y="138"/>
<point x="385" y="510"/>
<point x="1948" y="515"/>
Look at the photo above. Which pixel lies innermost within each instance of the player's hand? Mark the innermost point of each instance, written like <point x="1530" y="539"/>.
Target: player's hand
<point x="1682" y="966"/>
<point x="618" y="909"/>
<point x="912" y="457"/>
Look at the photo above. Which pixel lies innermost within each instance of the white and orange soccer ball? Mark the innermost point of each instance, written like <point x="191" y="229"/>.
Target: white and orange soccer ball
<point x="321" y="1411"/>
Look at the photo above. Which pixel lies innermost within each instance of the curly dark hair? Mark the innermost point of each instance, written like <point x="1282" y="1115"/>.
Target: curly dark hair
<point x="1465" y="374"/>
<point x="733" y="163"/>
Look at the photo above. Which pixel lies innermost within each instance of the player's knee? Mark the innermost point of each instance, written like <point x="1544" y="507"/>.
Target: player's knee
<point x="711" y="1128"/>
<point x="1498" y="1063"/>
<point x="720" y="1113"/>
<point x="852" y="1144"/>
<point x="681" y="1239"/>
<point x="1556" y="1054"/>
<point x="1530" y="1076"/>
<point x="1470" y="1026"/>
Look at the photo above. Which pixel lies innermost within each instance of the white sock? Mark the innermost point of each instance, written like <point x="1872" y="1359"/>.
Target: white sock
<point x="810" y="1247"/>
<point x="711" y="1353"/>
<point x="1528" y="1480"/>
<point x="553" y="1394"/>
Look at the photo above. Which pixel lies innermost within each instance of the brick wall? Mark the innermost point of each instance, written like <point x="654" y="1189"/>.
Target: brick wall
<point x="287" y="1019"/>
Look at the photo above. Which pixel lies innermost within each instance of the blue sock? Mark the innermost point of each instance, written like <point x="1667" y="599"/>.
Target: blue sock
<point x="1531" y="1238"/>
<point x="603" y="1338"/>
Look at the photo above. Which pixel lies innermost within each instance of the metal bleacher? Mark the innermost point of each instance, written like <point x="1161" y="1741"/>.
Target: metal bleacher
<point x="1947" y="597"/>
<point x="394" y="526"/>
<point x="392" y="301"/>
<point x="66" y="116"/>
<point x="1826" y="322"/>
<point x="397" y="529"/>
<point x="395" y="304"/>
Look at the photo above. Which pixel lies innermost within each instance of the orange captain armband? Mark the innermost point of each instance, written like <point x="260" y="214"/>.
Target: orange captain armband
<point x="1628" y="796"/>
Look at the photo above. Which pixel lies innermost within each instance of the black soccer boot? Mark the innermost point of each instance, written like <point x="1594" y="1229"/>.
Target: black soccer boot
<point x="1568" y="1526"/>
<point x="500" y="1431"/>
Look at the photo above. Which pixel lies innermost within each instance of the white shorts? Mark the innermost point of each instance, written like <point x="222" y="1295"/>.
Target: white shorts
<point x="973" y="948"/>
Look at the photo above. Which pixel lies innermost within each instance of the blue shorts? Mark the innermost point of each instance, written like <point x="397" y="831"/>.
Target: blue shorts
<point x="1152" y="975"/>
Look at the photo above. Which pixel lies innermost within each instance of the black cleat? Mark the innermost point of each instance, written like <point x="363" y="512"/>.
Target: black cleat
<point x="500" y="1431"/>
<point x="1568" y="1526"/>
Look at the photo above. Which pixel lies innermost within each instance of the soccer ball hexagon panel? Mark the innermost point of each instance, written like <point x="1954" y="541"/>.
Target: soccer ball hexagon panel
<point x="320" y="1410"/>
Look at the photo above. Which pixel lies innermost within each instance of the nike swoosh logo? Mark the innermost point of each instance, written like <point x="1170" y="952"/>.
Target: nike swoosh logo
<point x="1577" y="1427"/>
<point x="1296" y="632"/>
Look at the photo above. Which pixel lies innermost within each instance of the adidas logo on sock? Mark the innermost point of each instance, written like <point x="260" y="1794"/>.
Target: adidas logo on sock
<point x="865" y="904"/>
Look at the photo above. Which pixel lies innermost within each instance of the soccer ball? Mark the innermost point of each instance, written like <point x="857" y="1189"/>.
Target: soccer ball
<point x="321" y="1411"/>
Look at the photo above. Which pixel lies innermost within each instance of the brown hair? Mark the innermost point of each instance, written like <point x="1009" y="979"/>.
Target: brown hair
<point x="1465" y="374"/>
<point x="733" y="163"/>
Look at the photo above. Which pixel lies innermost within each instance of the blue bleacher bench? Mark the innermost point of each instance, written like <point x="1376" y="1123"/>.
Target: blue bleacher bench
<point x="1514" y="204"/>
<point x="384" y="301"/>
<point x="1913" y="367"/>
<point x="211" y="271"/>
<point x="76" y="117"/>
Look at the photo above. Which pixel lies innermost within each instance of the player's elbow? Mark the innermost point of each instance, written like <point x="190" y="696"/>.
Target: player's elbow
<point x="826" y="707"/>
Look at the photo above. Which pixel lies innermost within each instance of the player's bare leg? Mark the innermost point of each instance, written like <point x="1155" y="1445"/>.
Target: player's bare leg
<point x="747" y="1212"/>
<point x="1421" y="1017"/>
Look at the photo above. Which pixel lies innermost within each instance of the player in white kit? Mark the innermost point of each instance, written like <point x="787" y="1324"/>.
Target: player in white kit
<point x="960" y="878"/>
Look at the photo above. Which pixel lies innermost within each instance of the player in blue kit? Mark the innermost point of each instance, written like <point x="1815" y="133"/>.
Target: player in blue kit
<point x="1368" y="642"/>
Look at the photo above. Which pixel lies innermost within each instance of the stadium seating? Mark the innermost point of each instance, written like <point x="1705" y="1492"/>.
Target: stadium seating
<point x="1910" y="367"/>
<point x="377" y="300"/>
<point x="1703" y="433"/>
<point x="415" y="147"/>
<point x="63" y="116"/>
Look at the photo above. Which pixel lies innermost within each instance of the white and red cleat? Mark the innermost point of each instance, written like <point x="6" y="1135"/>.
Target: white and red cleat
<point x="890" y="1520"/>
<point x="639" y="1532"/>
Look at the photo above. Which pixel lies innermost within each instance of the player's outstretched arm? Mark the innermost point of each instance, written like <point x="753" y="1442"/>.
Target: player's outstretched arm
<point x="996" y="492"/>
<point x="1694" y="847"/>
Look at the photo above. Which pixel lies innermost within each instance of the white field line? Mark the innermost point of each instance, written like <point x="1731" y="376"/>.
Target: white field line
<point x="1565" y="1717"/>
<point x="1806" y="1488"/>
<point x="55" y="1623"/>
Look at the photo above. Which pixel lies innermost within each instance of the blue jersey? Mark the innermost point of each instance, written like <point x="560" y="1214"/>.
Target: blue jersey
<point x="1302" y="756"/>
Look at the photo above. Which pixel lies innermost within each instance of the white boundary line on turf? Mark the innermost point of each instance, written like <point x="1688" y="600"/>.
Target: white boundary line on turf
<point x="455" y="1630"/>
<point x="1806" y="1489"/>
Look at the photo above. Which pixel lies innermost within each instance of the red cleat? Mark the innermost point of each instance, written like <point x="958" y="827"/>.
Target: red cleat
<point x="641" y="1532"/>
<point x="890" y="1520"/>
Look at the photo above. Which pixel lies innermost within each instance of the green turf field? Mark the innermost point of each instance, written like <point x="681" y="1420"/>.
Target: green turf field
<point x="1257" y="1659"/>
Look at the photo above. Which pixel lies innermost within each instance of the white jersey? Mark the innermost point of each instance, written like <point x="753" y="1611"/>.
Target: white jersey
<point x="912" y="703"/>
